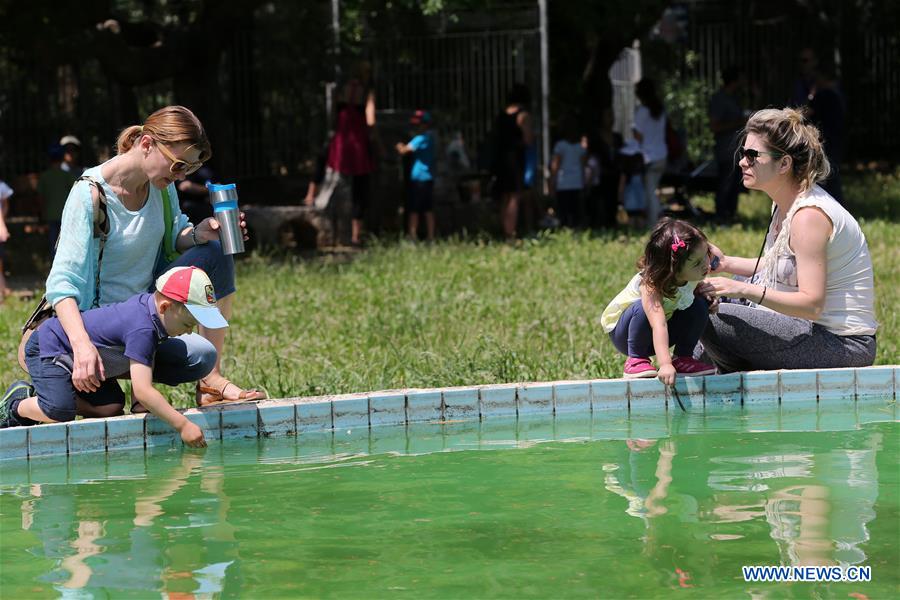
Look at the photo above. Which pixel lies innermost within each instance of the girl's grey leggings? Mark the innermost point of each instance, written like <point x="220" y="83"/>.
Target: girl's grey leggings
<point x="742" y="338"/>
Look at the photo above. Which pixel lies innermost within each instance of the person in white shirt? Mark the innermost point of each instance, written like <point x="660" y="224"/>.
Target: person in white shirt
<point x="650" y="132"/>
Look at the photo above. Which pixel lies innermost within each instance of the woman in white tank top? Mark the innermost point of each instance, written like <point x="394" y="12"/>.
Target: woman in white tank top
<point x="811" y="297"/>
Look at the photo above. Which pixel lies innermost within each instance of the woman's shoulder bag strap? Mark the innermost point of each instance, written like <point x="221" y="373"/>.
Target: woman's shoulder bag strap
<point x="101" y="228"/>
<point x="44" y="310"/>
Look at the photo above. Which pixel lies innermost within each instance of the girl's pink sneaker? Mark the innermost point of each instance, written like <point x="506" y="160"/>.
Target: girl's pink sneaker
<point x="688" y="365"/>
<point x="638" y="368"/>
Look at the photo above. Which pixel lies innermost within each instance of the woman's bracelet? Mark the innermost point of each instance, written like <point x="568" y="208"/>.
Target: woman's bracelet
<point x="763" y="297"/>
<point x="194" y="236"/>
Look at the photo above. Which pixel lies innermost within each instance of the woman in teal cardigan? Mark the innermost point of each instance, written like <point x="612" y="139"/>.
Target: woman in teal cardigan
<point x="147" y="234"/>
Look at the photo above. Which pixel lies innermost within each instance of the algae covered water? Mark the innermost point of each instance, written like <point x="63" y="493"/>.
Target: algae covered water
<point x="468" y="510"/>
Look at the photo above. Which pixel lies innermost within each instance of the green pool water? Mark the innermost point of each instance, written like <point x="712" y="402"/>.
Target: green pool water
<point x="466" y="510"/>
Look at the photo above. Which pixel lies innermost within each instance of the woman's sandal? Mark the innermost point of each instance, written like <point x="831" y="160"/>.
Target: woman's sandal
<point x="218" y="395"/>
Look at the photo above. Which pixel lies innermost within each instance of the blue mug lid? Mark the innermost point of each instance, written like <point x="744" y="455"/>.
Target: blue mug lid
<point x="220" y="187"/>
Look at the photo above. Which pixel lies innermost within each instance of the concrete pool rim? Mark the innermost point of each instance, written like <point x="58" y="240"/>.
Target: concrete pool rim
<point x="746" y="391"/>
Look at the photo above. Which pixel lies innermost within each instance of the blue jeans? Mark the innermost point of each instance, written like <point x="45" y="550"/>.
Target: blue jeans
<point x="633" y="335"/>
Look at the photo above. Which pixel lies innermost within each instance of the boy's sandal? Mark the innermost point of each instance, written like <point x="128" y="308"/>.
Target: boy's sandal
<point x="218" y="395"/>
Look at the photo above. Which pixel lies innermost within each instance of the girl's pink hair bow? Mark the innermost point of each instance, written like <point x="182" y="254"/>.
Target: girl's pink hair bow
<point x="678" y="243"/>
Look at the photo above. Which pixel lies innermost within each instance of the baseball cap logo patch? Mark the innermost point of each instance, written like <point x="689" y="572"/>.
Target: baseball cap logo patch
<point x="191" y="286"/>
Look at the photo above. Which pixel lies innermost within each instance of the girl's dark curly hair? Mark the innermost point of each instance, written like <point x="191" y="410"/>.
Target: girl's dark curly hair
<point x="659" y="265"/>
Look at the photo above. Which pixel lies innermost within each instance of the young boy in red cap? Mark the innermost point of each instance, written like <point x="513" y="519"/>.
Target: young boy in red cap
<point x="420" y="200"/>
<point x="126" y="335"/>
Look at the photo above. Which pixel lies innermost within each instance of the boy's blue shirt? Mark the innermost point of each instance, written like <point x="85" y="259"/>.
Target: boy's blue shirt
<point x="133" y="324"/>
<point x="423" y="152"/>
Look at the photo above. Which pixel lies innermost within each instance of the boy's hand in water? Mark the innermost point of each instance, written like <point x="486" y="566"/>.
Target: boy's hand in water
<point x="192" y="435"/>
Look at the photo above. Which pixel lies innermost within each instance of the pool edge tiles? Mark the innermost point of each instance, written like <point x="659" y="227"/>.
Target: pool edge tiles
<point x="14" y="443"/>
<point x="387" y="408"/>
<point x="424" y="405"/>
<point x="791" y="391"/>
<point x="798" y="385"/>
<point x="691" y="391"/>
<point x="278" y="417"/>
<point x="535" y="399"/>
<point x="724" y="389"/>
<point x="834" y="408"/>
<point x="86" y="435"/>
<point x="314" y="414"/>
<point x="461" y="403"/>
<point x="125" y="432"/>
<point x="571" y="396"/>
<point x="609" y="397"/>
<point x="760" y="388"/>
<point x="498" y="400"/>
<point x="350" y="411"/>
<point x="877" y="381"/>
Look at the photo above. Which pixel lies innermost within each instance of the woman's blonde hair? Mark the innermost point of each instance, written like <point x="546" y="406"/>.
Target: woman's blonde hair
<point x="788" y="131"/>
<point x="169" y="125"/>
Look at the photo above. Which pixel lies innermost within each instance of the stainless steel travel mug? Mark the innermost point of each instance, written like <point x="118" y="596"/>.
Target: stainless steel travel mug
<point x="225" y="209"/>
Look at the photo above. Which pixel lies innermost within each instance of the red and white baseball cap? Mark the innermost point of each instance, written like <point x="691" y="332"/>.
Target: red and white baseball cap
<point x="191" y="286"/>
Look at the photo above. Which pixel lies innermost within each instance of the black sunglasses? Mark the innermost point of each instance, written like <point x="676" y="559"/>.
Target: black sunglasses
<point x="752" y="154"/>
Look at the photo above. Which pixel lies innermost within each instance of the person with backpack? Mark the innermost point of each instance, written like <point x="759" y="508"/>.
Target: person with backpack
<point x="146" y="235"/>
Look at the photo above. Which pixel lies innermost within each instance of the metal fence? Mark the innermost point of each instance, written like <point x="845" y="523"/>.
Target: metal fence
<point x="462" y="77"/>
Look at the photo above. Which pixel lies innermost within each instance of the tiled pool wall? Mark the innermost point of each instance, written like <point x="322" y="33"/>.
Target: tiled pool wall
<point x="754" y="394"/>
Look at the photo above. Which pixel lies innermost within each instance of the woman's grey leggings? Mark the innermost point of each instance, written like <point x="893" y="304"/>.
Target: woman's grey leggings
<point x="741" y="338"/>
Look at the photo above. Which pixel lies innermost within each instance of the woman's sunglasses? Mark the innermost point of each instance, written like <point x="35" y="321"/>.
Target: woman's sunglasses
<point x="752" y="154"/>
<point x="178" y="166"/>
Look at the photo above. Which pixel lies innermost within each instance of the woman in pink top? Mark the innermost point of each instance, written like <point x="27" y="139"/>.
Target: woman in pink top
<point x="350" y="153"/>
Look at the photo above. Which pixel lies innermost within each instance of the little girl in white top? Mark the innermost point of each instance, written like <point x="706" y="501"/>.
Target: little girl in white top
<point x="660" y="307"/>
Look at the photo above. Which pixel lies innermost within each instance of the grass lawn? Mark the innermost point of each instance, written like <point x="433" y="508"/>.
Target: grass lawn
<point x="467" y="311"/>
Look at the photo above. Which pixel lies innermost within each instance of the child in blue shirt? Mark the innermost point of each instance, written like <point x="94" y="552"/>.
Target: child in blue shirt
<point x="127" y="335"/>
<point x="567" y="174"/>
<point x="420" y="200"/>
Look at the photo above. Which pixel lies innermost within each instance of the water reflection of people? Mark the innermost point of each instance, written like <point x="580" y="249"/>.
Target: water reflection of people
<point x="646" y="479"/>
<point x="644" y="501"/>
<point x="811" y="497"/>
<point x="826" y="524"/>
<point x="815" y="503"/>
<point x="178" y="540"/>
